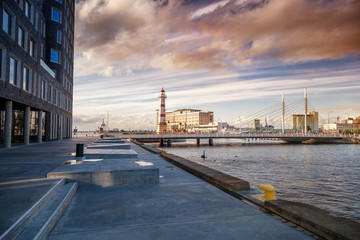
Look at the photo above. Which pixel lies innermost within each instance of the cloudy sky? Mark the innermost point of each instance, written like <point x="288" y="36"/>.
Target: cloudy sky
<point x="233" y="57"/>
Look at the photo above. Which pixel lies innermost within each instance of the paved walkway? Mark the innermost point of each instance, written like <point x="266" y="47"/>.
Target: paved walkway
<point x="181" y="206"/>
<point x="22" y="175"/>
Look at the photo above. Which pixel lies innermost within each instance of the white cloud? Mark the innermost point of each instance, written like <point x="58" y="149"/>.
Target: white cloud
<point x="208" y="9"/>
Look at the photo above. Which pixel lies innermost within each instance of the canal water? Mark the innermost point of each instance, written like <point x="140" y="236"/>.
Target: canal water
<point x="324" y="175"/>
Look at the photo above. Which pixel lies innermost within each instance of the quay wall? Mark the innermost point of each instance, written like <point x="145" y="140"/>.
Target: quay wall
<point x="309" y="217"/>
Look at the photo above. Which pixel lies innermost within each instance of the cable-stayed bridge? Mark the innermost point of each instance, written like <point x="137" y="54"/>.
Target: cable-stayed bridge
<point x="277" y="118"/>
<point x="287" y="137"/>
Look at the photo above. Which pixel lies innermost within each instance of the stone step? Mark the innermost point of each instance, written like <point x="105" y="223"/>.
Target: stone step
<point x="14" y="230"/>
<point x="109" y="146"/>
<point x="41" y="226"/>
<point x="102" y="141"/>
<point x="109" y="153"/>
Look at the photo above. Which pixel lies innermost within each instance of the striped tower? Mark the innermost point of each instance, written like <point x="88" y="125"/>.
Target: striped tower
<point x="161" y="123"/>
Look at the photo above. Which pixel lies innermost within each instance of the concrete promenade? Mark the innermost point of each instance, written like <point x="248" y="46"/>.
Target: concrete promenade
<point x="181" y="206"/>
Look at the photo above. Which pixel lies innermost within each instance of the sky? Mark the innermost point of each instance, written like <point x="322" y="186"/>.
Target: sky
<point x="232" y="57"/>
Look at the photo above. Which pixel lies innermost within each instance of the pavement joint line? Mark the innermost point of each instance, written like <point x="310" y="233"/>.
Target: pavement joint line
<point x="23" y="145"/>
<point x="23" y="181"/>
<point x="23" y="219"/>
<point x="166" y="223"/>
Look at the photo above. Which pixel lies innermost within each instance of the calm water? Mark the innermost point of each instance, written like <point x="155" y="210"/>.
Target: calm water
<point x="327" y="176"/>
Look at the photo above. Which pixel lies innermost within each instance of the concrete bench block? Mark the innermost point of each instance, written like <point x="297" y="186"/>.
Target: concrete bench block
<point x="102" y="141"/>
<point x="109" y="146"/>
<point x="111" y="178"/>
<point x="107" y="172"/>
<point x="109" y="153"/>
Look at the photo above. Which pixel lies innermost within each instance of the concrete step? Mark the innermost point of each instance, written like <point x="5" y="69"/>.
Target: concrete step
<point x="110" y="153"/>
<point x="109" y="146"/>
<point x="41" y="226"/>
<point x="15" y="229"/>
<point x="109" y="141"/>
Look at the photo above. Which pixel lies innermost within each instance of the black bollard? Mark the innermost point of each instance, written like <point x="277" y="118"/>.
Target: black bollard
<point x="101" y="136"/>
<point x="79" y="150"/>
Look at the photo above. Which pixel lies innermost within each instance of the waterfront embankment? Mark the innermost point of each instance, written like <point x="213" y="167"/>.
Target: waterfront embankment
<point x="311" y="218"/>
<point x="323" y="175"/>
<point x="180" y="206"/>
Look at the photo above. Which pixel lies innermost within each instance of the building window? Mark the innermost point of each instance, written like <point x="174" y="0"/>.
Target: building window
<point x="55" y="96"/>
<point x="21" y="37"/>
<point x="13" y="71"/>
<point x="35" y="82"/>
<point x="39" y="86"/>
<point x="55" y="56"/>
<point x="43" y="29"/>
<point x="32" y="48"/>
<point x="43" y="90"/>
<point x="59" y="99"/>
<point x="26" y="79"/>
<point x="2" y="63"/>
<point x="58" y="36"/>
<point x="56" y="15"/>
<point x="27" y="9"/>
<point x="37" y="21"/>
<point x="49" y="93"/>
<point x="7" y="21"/>
<point x="59" y="1"/>
<point x="42" y="51"/>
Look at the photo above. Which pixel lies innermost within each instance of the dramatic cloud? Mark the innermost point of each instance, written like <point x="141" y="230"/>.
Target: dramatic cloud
<point x="138" y="32"/>
<point x="233" y="57"/>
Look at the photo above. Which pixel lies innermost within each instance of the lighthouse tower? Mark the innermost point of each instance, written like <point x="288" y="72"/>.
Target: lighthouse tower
<point x="161" y="122"/>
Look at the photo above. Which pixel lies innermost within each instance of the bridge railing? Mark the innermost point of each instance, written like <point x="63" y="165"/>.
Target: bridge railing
<point x="236" y="135"/>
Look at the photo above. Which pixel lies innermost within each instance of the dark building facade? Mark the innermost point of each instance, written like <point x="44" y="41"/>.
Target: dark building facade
<point x="36" y="70"/>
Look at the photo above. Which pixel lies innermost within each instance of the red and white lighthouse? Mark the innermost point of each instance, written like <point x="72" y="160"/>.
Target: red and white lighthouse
<point x="161" y="121"/>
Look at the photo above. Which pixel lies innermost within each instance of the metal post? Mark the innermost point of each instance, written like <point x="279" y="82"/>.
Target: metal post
<point x="283" y="115"/>
<point x="240" y="123"/>
<point x="8" y="123"/>
<point x="79" y="150"/>
<point x="305" y="97"/>
<point x="40" y="126"/>
<point x="27" y="125"/>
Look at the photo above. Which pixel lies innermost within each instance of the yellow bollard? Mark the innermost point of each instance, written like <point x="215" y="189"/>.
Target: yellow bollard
<point x="269" y="191"/>
<point x="166" y="152"/>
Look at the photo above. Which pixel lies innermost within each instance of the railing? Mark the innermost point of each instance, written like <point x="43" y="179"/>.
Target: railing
<point x="238" y="135"/>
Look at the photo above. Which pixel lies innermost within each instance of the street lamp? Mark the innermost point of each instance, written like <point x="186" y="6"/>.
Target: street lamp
<point x="329" y="116"/>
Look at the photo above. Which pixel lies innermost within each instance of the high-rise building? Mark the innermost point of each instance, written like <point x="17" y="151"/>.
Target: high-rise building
<point x="36" y="70"/>
<point x="256" y="124"/>
<point x="312" y="121"/>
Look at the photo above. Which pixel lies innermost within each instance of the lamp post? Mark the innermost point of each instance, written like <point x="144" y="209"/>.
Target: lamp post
<point x="329" y="116"/>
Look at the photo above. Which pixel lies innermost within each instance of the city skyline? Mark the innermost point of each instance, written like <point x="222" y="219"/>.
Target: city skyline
<point x="231" y="57"/>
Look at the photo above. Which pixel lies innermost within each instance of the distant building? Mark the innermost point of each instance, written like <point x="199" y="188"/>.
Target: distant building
<point x="298" y="121"/>
<point x="349" y="124"/>
<point x="330" y="126"/>
<point x="183" y="119"/>
<point x="211" y="127"/>
<point x="256" y="124"/>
